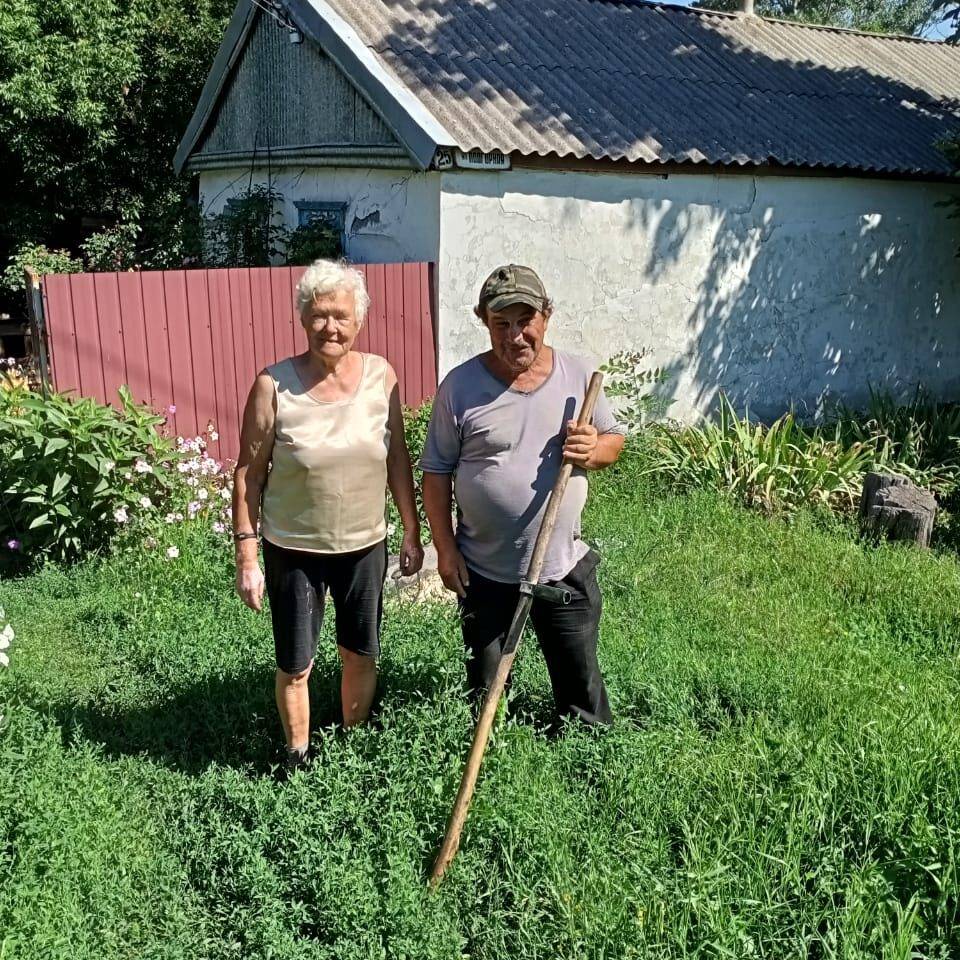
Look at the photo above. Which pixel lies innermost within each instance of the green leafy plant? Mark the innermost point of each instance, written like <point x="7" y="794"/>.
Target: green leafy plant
<point x="41" y="260"/>
<point x="629" y="383"/>
<point x="416" y="420"/>
<point x="72" y="471"/>
<point x="113" y="248"/>
<point x="313" y="241"/>
<point x="777" y="468"/>
<point x="880" y="16"/>
<point x="246" y="233"/>
<point x="94" y="97"/>
<point x="920" y="438"/>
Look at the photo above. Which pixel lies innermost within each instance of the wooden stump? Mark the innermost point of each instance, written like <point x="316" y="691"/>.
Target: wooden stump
<point x="893" y="507"/>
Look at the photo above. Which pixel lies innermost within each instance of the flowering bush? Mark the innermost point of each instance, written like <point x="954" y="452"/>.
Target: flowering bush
<point x="6" y="637"/>
<point x="72" y="471"/>
<point x="201" y="492"/>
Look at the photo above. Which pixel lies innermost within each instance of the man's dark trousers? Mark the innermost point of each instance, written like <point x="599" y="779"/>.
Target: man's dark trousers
<point x="567" y="634"/>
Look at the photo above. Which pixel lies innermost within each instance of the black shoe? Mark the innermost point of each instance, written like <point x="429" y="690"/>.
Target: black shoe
<point x="291" y="761"/>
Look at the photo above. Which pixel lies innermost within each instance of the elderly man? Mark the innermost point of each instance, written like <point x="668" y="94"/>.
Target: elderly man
<point x="502" y="423"/>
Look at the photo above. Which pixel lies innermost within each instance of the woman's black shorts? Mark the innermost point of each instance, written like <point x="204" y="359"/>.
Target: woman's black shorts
<point x="297" y="583"/>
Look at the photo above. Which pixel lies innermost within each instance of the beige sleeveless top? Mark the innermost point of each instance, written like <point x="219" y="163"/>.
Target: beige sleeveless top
<point x="326" y="490"/>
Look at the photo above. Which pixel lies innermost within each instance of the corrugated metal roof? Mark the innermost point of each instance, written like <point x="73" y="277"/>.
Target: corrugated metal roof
<point x="648" y="82"/>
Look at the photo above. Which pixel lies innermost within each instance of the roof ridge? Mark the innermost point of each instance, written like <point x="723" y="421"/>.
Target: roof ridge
<point x="737" y="15"/>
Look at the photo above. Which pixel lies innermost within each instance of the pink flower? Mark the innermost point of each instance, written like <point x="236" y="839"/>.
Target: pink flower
<point x="13" y="544"/>
<point x="172" y="408"/>
<point x="219" y="527"/>
<point x="141" y="466"/>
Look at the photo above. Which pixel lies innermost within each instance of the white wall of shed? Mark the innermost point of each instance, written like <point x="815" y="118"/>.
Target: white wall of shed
<point x="779" y="291"/>
<point x="392" y="216"/>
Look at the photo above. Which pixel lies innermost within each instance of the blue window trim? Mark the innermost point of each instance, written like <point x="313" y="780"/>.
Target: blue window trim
<point x="333" y="213"/>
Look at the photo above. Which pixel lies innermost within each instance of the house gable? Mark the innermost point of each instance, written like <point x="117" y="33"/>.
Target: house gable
<point x="284" y="100"/>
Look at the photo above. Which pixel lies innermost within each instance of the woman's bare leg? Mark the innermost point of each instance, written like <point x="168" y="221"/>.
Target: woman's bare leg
<point x="357" y="687"/>
<point x="293" y="702"/>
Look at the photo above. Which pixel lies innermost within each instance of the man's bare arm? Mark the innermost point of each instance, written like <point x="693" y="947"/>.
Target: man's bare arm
<point x="590" y="450"/>
<point x="438" y="501"/>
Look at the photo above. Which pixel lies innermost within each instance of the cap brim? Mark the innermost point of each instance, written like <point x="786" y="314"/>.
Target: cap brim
<point x="503" y="300"/>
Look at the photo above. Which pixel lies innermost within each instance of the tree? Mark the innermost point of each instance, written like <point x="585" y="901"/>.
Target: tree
<point x="880" y="16"/>
<point x="94" y="97"/>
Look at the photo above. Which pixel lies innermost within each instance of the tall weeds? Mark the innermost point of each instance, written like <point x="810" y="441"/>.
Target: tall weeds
<point x="786" y="465"/>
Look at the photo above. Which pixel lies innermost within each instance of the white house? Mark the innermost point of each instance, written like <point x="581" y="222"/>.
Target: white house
<point x="759" y="203"/>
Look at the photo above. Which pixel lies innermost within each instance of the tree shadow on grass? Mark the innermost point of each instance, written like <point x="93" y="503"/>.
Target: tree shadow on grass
<point x="229" y="720"/>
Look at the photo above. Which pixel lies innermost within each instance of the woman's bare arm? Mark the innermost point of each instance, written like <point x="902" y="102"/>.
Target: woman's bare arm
<point x="249" y="477"/>
<point x="400" y="480"/>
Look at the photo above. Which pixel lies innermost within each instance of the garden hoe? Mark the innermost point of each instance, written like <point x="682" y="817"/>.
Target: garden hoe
<point x="529" y="589"/>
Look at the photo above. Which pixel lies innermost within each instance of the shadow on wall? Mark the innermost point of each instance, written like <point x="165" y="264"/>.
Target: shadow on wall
<point x="795" y="302"/>
<point x="787" y="313"/>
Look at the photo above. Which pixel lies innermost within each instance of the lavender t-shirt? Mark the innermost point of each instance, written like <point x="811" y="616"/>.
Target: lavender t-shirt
<point x="504" y="448"/>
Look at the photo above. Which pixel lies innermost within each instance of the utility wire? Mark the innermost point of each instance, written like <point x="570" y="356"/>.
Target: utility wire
<point x="275" y="10"/>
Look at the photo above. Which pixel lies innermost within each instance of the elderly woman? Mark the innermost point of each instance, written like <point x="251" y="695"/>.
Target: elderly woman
<point x="322" y="438"/>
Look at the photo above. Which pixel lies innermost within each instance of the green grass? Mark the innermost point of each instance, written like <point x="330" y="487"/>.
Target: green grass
<point x="783" y="779"/>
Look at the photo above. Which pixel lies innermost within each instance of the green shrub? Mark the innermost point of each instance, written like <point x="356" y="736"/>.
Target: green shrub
<point x="246" y="233"/>
<point x="113" y="248"/>
<point x="73" y="470"/>
<point x="777" y="468"/>
<point x="415" y="423"/>
<point x="41" y="260"/>
<point x="311" y="241"/>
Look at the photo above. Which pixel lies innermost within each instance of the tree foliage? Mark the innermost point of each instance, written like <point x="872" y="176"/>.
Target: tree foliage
<point x="880" y="16"/>
<point x="94" y="97"/>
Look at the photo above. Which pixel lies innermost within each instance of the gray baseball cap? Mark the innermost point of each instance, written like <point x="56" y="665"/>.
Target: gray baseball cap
<point x="513" y="283"/>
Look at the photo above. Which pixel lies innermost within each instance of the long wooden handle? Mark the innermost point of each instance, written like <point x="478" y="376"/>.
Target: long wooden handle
<point x="556" y="495"/>
<point x="488" y="712"/>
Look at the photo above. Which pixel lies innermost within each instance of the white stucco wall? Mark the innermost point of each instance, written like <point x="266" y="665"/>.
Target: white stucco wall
<point x="392" y="215"/>
<point x="776" y="290"/>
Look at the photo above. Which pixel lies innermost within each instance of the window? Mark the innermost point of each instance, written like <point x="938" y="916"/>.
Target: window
<point x="309" y="211"/>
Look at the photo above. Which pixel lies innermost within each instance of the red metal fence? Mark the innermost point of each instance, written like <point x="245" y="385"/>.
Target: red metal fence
<point x="195" y="339"/>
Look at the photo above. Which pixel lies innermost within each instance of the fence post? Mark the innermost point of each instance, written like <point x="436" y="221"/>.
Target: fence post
<point x="38" y="327"/>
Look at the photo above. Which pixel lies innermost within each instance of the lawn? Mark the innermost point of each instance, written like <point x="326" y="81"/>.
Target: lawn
<point x="783" y="779"/>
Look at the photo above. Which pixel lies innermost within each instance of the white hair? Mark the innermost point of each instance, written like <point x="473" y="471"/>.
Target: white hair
<point x="326" y="276"/>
